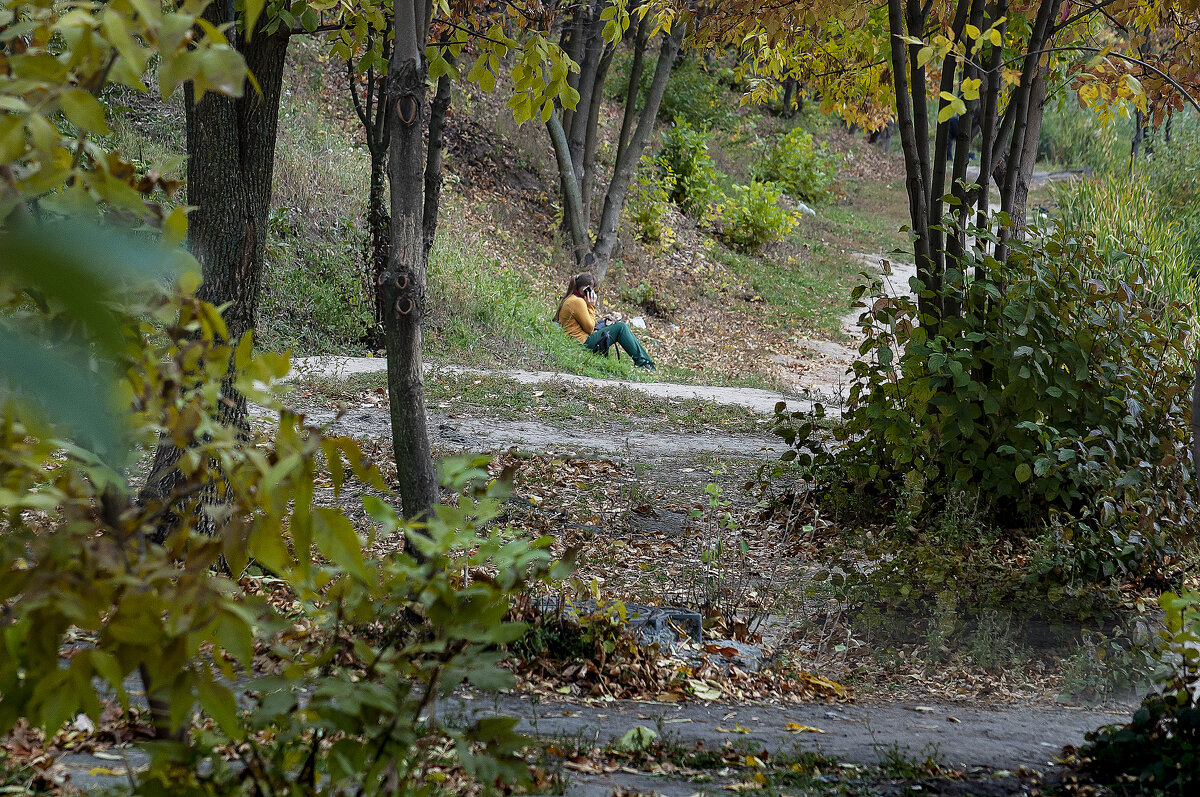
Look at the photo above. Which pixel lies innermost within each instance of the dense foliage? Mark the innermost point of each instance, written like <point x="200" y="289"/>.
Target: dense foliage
<point x="752" y="216"/>
<point x="1158" y="751"/>
<point x="78" y="557"/>
<point x="688" y="170"/>
<point x="1057" y="398"/>
<point x="802" y="169"/>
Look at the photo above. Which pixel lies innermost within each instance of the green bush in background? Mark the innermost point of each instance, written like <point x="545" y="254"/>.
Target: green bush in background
<point x="1060" y="399"/>
<point x="685" y="161"/>
<point x="692" y="94"/>
<point x="649" y="202"/>
<point x="751" y="216"/>
<point x="1151" y="213"/>
<point x="802" y="169"/>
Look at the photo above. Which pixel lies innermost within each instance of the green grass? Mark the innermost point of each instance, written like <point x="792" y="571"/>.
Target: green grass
<point x="559" y="404"/>
<point x="810" y="289"/>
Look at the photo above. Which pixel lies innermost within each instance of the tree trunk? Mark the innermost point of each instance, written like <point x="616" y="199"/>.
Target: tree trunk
<point x="380" y="225"/>
<point x="627" y="160"/>
<point x="433" y="160"/>
<point x="1026" y="109"/>
<point x="592" y="134"/>
<point x="633" y="90"/>
<point x="231" y="160"/>
<point x="914" y="180"/>
<point x="404" y="283"/>
<point x="572" y="198"/>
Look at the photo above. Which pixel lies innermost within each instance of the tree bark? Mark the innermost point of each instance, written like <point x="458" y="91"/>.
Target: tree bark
<point x="231" y="161"/>
<point x="588" y="171"/>
<point x="614" y="198"/>
<point x="433" y="159"/>
<point x="633" y="90"/>
<point x="405" y="281"/>
<point x="914" y="174"/>
<point x="572" y="198"/>
<point x="1026" y="109"/>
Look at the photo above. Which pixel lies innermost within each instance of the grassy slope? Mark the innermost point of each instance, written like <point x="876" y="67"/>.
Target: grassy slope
<point x="498" y="265"/>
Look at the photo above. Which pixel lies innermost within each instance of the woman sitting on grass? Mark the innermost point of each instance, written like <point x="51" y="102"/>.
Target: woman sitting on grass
<point x="576" y="314"/>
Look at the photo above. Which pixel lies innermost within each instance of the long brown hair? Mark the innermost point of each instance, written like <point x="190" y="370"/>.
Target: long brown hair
<point x="575" y="285"/>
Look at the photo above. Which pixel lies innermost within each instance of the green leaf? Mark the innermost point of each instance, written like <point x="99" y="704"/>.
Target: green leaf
<point x="219" y="703"/>
<point x="84" y="111"/>
<point x="1023" y="473"/>
<point x="338" y="541"/>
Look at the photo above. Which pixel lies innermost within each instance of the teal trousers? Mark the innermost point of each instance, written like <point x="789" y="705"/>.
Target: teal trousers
<point x="620" y="334"/>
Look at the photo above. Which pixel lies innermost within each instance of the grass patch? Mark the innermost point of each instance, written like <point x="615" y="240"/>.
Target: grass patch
<point x="559" y="404"/>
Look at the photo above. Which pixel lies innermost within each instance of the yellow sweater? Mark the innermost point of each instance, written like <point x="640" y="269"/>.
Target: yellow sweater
<point x="577" y="319"/>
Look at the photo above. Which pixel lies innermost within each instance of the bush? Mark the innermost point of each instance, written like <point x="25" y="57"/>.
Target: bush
<point x="685" y="163"/>
<point x="1132" y="221"/>
<point x="1159" y="749"/>
<point x="692" y="94"/>
<point x="1059" y="399"/>
<point x="802" y="170"/>
<point x="649" y="203"/>
<point x="359" y="644"/>
<point x="751" y="216"/>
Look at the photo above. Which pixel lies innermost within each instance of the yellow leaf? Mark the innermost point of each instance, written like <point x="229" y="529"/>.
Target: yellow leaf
<point x="970" y="88"/>
<point x="972" y="32"/>
<point x="796" y="727"/>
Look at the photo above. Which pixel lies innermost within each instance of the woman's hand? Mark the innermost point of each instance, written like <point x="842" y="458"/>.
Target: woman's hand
<point x="589" y="296"/>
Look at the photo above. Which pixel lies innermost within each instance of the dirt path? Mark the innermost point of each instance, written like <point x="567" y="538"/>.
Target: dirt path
<point x="463" y="433"/>
<point x="970" y="739"/>
<point x="760" y="401"/>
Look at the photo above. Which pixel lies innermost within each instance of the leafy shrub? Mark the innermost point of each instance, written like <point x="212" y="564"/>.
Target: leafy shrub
<point x="751" y="216"/>
<point x="795" y="164"/>
<point x="380" y="636"/>
<point x="649" y="203"/>
<point x="685" y="161"/>
<point x="1057" y="398"/>
<point x="1159" y="749"/>
<point x="696" y="97"/>
<point x="692" y="95"/>
<point x="1132" y="222"/>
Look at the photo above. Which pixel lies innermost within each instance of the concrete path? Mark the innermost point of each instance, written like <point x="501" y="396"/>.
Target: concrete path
<point x="960" y="737"/>
<point x="760" y="401"/>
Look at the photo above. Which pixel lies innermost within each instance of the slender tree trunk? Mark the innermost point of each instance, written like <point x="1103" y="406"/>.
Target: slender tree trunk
<point x="433" y="160"/>
<point x="1026" y="107"/>
<point x="379" y="223"/>
<point x="633" y="90"/>
<point x="914" y="164"/>
<point x="941" y="140"/>
<point x="405" y="281"/>
<point x="572" y="198"/>
<point x="614" y="198"/>
<point x="1196" y="427"/>
<point x="592" y="134"/>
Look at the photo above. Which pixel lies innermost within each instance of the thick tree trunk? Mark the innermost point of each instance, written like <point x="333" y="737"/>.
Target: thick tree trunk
<point x="404" y="283"/>
<point x="627" y="160"/>
<point x="231" y="160"/>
